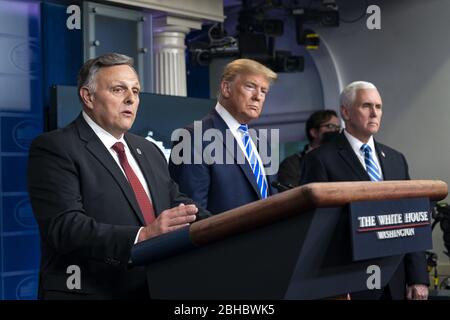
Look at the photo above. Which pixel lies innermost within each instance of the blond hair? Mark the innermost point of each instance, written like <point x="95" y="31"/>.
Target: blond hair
<point x="247" y="66"/>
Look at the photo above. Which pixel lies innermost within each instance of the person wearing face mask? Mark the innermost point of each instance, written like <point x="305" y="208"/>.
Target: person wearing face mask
<point x="238" y="174"/>
<point x="321" y="126"/>
<point x="354" y="155"/>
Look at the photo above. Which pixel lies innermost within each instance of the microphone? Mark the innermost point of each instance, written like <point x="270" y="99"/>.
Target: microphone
<point x="281" y="186"/>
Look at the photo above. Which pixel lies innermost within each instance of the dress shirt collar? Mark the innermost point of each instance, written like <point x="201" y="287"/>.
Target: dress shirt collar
<point x="231" y="122"/>
<point x="107" y="139"/>
<point x="356" y="143"/>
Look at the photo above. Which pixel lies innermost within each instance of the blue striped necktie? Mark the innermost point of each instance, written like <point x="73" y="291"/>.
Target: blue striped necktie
<point x="371" y="166"/>
<point x="254" y="163"/>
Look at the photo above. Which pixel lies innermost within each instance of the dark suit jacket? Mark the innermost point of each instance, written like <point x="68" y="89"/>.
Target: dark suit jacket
<point x="336" y="161"/>
<point x="289" y="172"/>
<point x="217" y="187"/>
<point x="87" y="212"/>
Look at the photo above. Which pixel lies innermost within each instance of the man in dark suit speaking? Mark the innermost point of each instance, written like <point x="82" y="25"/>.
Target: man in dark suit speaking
<point x="236" y="173"/>
<point x="96" y="190"/>
<point x="354" y="155"/>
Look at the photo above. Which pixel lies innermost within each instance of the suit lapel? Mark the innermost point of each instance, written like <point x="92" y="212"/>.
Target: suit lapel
<point x="346" y="152"/>
<point x="384" y="160"/>
<point x="142" y="160"/>
<point x="98" y="150"/>
<point x="220" y="124"/>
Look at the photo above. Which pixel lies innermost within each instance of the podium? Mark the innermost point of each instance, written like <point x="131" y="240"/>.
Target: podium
<point x="293" y="245"/>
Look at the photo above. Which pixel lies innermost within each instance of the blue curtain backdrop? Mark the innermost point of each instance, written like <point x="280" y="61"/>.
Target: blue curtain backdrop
<point x="37" y="51"/>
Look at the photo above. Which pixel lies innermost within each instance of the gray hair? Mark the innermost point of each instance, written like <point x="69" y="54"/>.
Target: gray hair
<point x="347" y="97"/>
<point x="88" y="72"/>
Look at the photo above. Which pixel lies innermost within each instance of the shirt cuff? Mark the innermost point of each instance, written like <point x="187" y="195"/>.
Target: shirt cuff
<point x="137" y="236"/>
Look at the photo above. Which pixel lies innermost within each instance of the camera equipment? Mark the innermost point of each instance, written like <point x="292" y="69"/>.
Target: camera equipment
<point x="254" y="40"/>
<point x="256" y="32"/>
<point x="257" y="40"/>
<point x="307" y="37"/>
<point x="286" y="62"/>
<point x="432" y="265"/>
<point x="327" y="15"/>
<point x="252" y="20"/>
<point x="441" y="215"/>
<point x="217" y="44"/>
<point x="204" y="56"/>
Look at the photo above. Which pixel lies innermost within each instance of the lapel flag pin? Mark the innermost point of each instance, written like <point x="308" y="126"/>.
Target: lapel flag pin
<point x="140" y="152"/>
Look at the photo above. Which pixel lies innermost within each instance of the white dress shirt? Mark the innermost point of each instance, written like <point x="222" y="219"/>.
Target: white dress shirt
<point x="233" y="125"/>
<point x="356" y="146"/>
<point x="109" y="140"/>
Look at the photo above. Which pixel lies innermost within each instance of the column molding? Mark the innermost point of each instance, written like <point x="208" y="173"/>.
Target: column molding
<point x="169" y="34"/>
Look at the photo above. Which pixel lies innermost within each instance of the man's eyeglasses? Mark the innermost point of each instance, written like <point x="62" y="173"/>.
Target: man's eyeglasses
<point x="331" y="126"/>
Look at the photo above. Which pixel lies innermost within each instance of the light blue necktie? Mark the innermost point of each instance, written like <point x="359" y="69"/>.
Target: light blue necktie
<point x="254" y="163"/>
<point x="371" y="166"/>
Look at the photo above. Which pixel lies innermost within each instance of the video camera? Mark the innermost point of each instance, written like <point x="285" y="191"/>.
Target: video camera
<point x="254" y="40"/>
<point x="214" y="43"/>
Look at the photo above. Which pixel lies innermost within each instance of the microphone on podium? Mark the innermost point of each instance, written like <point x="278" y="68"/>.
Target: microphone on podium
<point x="281" y="186"/>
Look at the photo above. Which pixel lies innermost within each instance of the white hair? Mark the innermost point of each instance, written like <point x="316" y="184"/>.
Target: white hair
<point x="347" y="97"/>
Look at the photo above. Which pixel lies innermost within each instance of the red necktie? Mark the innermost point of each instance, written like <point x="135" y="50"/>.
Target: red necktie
<point x="141" y="196"/>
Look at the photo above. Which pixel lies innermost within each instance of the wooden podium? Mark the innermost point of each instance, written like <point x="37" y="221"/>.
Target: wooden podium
<point x="293" y="245"/>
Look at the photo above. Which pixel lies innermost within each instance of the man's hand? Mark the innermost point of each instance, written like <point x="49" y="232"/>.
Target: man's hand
<point x="417" y="292"/>
<point x="169" y="220"/>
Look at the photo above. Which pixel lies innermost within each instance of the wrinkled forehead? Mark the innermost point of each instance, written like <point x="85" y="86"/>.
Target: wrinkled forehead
<point x="119" y="73"/>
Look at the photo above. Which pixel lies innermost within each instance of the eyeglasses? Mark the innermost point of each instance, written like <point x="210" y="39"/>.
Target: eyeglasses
<point x="331" y="126"/>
